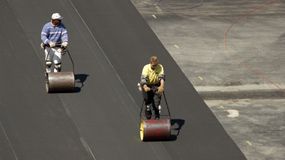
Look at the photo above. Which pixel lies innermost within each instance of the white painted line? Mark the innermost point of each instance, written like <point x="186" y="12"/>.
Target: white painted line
<point x="249" y="143"/>
<point x="233" y="113"/>
<point x="176" y="46"/>
<point x="221" y="107"/>
<point x="8" y="140"/>
<point x="154" y="16"/>
<point x="87" y="147"/>
<point x="201" y="78"/>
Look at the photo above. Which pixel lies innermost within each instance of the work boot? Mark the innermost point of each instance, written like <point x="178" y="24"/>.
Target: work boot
<point x="48" y="66"/>
<point x="57" y="67"/>
<point x="148" y="112"/>
<point x="48" y="70"/>
<point x="56" y="70"/>
<point x="157" y="116"/>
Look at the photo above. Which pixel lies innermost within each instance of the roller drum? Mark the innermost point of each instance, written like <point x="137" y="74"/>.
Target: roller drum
<point x="60" y="82"/>
<point x="155" y="129"/>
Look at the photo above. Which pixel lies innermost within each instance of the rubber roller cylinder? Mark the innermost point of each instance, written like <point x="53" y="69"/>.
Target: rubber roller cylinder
<point x="155" y="129"/>
<point x="60" y="82"/>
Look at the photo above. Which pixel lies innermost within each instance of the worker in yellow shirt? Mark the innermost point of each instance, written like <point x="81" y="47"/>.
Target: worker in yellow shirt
<point x="152" y="86"/>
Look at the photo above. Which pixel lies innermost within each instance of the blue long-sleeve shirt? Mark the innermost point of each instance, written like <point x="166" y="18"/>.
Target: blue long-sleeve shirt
<point x="56" y="34"/>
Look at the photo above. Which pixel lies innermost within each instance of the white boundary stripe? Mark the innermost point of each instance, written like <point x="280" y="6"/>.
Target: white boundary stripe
<point x="10" y="145"/>
<point x="112" y="66"/>
<point x="87" y="147"/>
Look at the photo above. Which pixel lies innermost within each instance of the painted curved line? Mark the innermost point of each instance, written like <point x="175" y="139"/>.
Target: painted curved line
<point x="264" y="6"/>
<point x="256" y="72"/>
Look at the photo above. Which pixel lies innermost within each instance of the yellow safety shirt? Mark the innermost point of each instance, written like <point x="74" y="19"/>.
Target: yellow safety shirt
<point x="152" y="76"/>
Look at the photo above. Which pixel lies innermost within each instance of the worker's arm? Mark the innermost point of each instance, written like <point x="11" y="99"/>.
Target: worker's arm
<point x="144" y="79"/>
<point x="162" y="83"/>
<point x="161" y="77"/>
<point x="144" y="75"/>
<point x="64" y="35"/>
<point x="44" y="35"/>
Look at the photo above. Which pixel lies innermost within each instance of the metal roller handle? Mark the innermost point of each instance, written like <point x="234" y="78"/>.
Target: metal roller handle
<point x="168" y="110"/>
<point x="71" y="60"/>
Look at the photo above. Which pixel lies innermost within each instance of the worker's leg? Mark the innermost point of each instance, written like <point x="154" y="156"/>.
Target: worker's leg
<point x="148" y="100"/>
<point x="157" y="99"/>
<point x="57" y="59"/>
<point x="147" y="97"/>
<point x="48" y="59"/>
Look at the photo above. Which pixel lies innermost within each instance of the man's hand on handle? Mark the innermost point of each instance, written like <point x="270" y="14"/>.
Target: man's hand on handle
<point x="51" y="44"/>
<point x="160" y="89"/>
<point x="146" y="88"/>
<point x="64" y="44"/>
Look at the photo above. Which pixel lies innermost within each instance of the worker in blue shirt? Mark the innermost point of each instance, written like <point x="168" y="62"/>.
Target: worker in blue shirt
<point x="54" y="38"/>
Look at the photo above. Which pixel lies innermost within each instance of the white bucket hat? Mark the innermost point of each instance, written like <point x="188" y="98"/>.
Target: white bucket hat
<point x="56" y="16"/>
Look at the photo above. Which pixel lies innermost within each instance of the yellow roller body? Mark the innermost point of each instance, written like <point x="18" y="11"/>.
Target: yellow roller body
<point x="155" y="129"/>
<point x="60" y="82"/>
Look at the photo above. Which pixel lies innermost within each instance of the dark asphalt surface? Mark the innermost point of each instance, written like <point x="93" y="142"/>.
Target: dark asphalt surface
<point x="110" y="43"/>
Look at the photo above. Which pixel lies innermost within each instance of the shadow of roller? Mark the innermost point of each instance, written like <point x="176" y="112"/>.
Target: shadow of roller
<point x="176" y="126"/>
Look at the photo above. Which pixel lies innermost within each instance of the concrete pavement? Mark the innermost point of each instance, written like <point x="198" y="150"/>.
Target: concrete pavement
<point x="230" y="51"/>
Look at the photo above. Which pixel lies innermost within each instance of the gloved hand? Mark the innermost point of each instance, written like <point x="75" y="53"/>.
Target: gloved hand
<point x="160" y="90"/>
<point x="51" y="44"/>
<point x="146" y="88"/>
<point x="42" y="45"/>
<point x="64" y="44"/>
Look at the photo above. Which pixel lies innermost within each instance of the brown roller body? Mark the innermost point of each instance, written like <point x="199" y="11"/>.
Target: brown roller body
<point x="155" y="129"/>
<point x="60" y="82"/>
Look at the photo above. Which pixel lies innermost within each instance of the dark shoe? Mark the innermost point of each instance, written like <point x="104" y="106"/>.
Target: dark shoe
<point x="157" y="116"/>
<point x="157" y="113"/>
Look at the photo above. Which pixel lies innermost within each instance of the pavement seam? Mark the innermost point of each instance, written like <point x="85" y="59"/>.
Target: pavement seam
<point x="100" y="47"/>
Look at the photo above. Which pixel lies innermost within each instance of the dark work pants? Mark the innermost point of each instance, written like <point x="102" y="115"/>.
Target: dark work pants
<point x="153" y="99"/>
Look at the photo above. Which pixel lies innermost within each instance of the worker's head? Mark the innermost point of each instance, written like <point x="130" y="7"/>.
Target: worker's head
<point x="56" y="19"/>
<point x="153" y="61"/>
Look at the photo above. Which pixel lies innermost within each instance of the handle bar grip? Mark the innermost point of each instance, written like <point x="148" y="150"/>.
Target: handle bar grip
<point x="56" y="45"/>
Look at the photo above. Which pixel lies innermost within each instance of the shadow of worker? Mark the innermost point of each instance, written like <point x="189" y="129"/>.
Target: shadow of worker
<point x="79" y="81"/>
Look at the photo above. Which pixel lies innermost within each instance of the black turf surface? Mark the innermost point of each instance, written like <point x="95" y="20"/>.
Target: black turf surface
<point x="110" y="42"/>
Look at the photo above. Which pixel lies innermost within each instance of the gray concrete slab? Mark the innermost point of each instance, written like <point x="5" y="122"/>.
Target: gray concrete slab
<point x="248" y="63"/>
<point x="194" y="31"/>
<point x="260" y="132"/>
